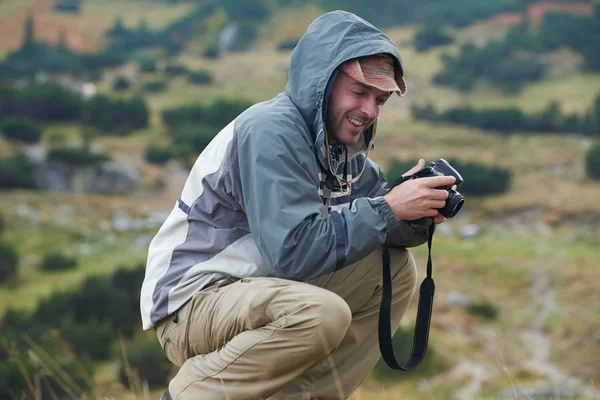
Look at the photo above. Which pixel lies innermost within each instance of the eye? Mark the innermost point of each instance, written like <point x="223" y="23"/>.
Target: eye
<point x="381" y="101"/>
<point x="359" y="94"/>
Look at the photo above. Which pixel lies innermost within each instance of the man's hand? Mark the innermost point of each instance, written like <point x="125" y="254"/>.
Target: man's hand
<point x="417" y="198"/>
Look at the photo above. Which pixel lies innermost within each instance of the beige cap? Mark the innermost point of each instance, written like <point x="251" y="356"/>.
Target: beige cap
<point x="378" y="71"/>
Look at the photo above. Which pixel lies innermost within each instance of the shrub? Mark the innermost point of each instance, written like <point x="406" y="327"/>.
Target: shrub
<point x="148" y="361"/>
<point x="201" y="77"/>
<point x="16" y="172"/>
<point x="21" y="128"/>
<point x="429" y="37"/>
<point x="121" y="83"/>
<point x="2" y="224"/>
<point x="67" y="6"/>
<point x="483" y="309"/>
<point x="116" y="116"/>
<point x="9" y="261"/>
<point x="88" y="338"/>
<point x="174" y="69"/>
<point x="217" y="114"/>
<point x="77" y="156"/>
<point x="193" y="138"/>
<point x="57" y="262"/>
<point x="211" y="51"/>
<point x="288" y="44"/>
<point x="157" y="155"/>
<point x="147" y="65"/>
<point x="592" y="162"/>
<point x="155" y="86"/>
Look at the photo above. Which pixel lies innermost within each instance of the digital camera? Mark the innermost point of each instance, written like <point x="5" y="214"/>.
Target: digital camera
<point x="455" y="200"/>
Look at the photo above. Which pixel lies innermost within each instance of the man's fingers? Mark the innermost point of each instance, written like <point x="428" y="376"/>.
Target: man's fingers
<point x="437" y="181"/>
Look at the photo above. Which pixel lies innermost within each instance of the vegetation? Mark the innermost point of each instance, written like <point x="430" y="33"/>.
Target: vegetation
<point x="9" y="261"/>
<point x="157" y="155"/>
<point x="592" y="162"/>
<point x="57" y="262"/>
<point x="21" y="128"/>
<point x="16" y="171"/>
<point x="148" y="362"/>
<point x="521" y="56"/>
<point x="512" y="119"/>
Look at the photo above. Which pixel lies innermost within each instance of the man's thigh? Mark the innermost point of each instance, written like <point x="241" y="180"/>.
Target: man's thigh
<point x="357" y="283"/>
<point x="215" y="315"/>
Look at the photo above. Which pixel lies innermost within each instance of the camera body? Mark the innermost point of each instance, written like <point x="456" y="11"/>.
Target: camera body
<point x="441" y="167"/>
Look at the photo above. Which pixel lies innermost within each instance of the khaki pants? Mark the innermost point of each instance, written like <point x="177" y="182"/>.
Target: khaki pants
<point x="270" y="337"/>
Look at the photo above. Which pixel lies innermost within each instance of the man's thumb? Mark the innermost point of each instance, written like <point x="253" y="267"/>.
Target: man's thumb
<point x="420" y="165"/>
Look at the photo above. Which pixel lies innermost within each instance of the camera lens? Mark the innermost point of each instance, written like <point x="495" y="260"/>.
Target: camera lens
<point x="453" y="205"/>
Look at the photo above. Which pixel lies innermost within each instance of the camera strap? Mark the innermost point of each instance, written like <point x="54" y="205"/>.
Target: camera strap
<point x="424" y="311"/>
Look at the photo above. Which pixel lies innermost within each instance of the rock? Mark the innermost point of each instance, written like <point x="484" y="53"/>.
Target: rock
<point x="455" y="298"/>
<point x="469" y="231"/>
<point x="104" y="178"/>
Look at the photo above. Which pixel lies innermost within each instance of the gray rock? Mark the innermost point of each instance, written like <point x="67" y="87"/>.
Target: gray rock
<point x="455" y="298"/>
<point x="104" y="178"/>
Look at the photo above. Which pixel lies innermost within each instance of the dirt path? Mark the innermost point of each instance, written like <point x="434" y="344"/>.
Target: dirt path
<point x="539" y="344"/>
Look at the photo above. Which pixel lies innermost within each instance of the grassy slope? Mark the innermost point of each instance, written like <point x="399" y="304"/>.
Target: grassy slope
<point x="549" y="173"/>
<point x="85" y="31"/>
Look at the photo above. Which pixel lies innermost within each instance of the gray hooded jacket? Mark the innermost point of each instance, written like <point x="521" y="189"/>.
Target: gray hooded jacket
<point x="261" y="199"/>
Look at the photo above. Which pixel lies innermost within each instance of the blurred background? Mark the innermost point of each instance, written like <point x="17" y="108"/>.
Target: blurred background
<point x="105" y="105"/>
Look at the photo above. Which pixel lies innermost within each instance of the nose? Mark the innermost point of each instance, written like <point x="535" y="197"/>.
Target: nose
<point x="371" y="107"/>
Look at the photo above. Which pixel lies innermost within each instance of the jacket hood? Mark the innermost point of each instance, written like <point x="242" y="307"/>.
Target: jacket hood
<point x="329" y="41"/>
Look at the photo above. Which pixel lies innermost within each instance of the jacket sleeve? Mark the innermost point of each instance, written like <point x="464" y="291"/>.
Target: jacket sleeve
<point x="406" y="233"/>
<point x="296" y="238"/>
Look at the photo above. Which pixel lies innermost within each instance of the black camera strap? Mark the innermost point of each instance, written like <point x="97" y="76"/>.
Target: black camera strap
<point x="424" y="311"/>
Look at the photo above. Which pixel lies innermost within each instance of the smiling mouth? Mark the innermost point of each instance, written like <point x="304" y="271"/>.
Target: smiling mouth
<point x="356" y="122"/>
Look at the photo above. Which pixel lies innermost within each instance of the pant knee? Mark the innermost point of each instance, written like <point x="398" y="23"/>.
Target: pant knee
<point x="331" y="321"/>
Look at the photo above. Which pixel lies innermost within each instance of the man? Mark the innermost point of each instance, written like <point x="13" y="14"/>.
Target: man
<point x="265" y="279"/>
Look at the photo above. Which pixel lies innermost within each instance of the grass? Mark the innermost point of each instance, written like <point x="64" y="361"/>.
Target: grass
<point x="104" y="256"/>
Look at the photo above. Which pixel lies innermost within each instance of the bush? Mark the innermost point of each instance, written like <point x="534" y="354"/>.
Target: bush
<point x="57" y="262"/>
<point x="16" y="172"/>
<point x="21" y="128"/>
<point x="147" y="65"/>
<point x="429" y="37"/>
<point x="212" y="52"/>
<point x="121" y="83"/>
<point x="201" y="77"/>
<point x="77" y="156"/>
<point x="157" y="155"/>
<point x="288" y="44"/>
<point x="67" y="6"/>
<point x="116" y="116"/>
<point x="217" y="114"/>
<point x="9" y="261"/>
<point x="174" y="69"/>
<point x="155" y="86"/>
<point x="89" y="338"/>
<point x="192" y="138"/>
<point x="483" y="309"/>
<point x="244" y="37"/>
<point x="592" y="162"/>
<point x="149" y="363"/>
<point x="2" y="224"/>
